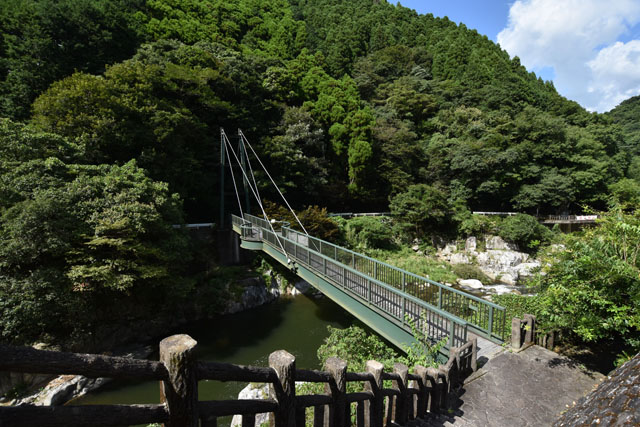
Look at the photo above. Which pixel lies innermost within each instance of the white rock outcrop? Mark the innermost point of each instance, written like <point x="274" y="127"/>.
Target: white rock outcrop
<point x="496" y="242"/>
<point x="459" y="258"/>
<point x="506" y="266"/>
<point x="471" y="244"/>
<point x="253" y="391"/>
<point x="471" y="283"/>
<point x="501" y="261"/>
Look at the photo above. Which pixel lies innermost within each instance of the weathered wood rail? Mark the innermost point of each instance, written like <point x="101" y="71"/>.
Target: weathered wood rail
<point x="524" y="333"/>
<point x="411" y="395"/>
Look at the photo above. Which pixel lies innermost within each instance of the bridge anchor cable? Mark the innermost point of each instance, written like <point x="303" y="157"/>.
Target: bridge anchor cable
<point x="245" y="140"/>
<point x="223" y="135"/>
<point x="230" y="147"/>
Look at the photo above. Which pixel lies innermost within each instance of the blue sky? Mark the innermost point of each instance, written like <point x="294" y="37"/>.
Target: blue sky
<point x="589" y="48"/>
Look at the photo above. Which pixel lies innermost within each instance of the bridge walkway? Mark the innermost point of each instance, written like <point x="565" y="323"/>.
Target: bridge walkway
<point x="382" y="296"/>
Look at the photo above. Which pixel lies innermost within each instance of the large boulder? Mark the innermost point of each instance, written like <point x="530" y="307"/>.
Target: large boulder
<point x="459" y="258"/>
<point x="616" y="400"/>
<point x="496" y="242"/>
<point x="254" y="294"/>
<point x="525" y="269"/>
<point x="471" y="244"/>
<point x="471" y="283"/>
<point x="503" y="265"/>
<point x="253" y="391"/>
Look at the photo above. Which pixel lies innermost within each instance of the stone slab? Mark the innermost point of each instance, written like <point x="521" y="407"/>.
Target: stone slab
<point x="530" y="388"/>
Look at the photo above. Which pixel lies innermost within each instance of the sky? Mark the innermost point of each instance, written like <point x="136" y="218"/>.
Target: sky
<point x="590" y="49"/>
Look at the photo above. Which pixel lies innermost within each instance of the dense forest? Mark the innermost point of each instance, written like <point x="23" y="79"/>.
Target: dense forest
<point x="110" y="113"/>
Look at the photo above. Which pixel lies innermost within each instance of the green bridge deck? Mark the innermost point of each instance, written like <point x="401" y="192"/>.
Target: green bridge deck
<point x="379" y="294"/>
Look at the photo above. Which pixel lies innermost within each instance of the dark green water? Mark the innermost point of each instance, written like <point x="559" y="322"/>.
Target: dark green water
<point x="298" y="325"/>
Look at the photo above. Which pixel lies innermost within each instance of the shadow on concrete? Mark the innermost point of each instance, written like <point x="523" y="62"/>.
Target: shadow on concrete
<point x="482" y="360"/>
<point x="557" y="362"/>
<point x="448" y="417"/>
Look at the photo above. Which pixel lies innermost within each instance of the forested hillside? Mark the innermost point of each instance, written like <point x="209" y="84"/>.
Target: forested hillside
<point x="627" y="116"/>
<point x="111" y="112"/>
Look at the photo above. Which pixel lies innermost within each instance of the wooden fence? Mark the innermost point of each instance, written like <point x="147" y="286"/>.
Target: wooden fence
<point x="524" y="334"/>
<point x="411" y="395"/>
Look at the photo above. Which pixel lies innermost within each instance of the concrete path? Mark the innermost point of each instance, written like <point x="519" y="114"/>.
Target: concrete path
<point x="530" y="388"/>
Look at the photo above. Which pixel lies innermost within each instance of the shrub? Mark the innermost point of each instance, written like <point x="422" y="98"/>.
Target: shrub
<point x="368" y="232"/>
<point x="476" y="225"/>
<point x="525" y="231"/>
<point x="421" y="209"/>
<point x="468" y="271"/>
<point x="355" y="346"/>
<point x="593" y="291"/>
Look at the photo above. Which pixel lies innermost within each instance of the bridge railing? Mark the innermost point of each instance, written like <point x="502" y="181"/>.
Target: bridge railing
<point x="488" y="318"/>
<point x="391" y="301"/>
<point x="411" y="395"/>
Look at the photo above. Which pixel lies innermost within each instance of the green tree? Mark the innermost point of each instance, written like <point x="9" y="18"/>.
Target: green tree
<point x="46" y="40"/>
<point x="593" y="291"/>
<point x="525" y="231"/>
<point x="75" y="237"/>
<point x="421" y="208"/>
<point x="625" y="192"/>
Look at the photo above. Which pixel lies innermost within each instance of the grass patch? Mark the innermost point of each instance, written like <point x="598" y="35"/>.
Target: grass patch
<point x="468" y="271"/>
<point x="421" y="265"/>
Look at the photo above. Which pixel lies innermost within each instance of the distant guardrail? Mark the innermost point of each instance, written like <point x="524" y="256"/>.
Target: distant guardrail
<point x="195" y="226"/>
<point x="547" y="218"/>
<point x="357" y="214"/>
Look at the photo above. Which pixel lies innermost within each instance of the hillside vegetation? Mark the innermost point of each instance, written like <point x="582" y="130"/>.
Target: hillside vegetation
<point x="110" y="134"/>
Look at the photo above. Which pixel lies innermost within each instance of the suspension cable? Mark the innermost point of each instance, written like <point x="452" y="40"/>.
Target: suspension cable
<point x="244" y="138"/>
<point x="254" y="188"/>
<point x="259" y="203"/>
<point x="224" y="136"/>
<point x="253" y="176"/>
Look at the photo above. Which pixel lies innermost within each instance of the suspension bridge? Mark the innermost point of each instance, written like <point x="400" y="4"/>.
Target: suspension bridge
<point x="391" y="301"/>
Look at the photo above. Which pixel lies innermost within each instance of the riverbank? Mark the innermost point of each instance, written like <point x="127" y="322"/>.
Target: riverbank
<point x="297" y="324"/>
<point x="243" y="294"/>
<point x="249" y="294"/>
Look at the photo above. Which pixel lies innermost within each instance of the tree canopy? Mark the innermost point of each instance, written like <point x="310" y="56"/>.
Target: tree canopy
<point x="110" y="116"/>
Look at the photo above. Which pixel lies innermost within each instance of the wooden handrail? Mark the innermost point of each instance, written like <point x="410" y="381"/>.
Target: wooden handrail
<point x="89" y="415"/>
<point x="412" y="394"/>
<point x="229" y="372"/>
<point x="27" y="359"/>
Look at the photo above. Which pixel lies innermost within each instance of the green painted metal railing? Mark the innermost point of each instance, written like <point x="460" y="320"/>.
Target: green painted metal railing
<point x="487" y="318"/>
<point x="390" y="302"/>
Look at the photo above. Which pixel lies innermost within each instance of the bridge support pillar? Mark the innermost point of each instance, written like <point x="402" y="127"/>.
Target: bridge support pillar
<point x="229" y="247"/>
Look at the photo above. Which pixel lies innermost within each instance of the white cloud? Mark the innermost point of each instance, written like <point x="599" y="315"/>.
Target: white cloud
<point x="616" y="73"/>
<point x="577" y="38"/>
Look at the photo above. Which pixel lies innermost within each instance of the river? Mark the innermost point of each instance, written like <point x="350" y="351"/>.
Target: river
<point x="297" y="324"/>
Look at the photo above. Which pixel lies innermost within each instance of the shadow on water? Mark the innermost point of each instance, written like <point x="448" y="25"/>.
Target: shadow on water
<point x="227" y="336"/>
<point x="298" y="325"/>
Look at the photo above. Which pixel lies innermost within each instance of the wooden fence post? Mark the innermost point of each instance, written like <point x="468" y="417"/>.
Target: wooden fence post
<point x="474" y="355"/>
<point x="402" y="401"/>
<point x="284" y="390"/>
<point x="180" y="392"/>
<point x="435" y="402"/>
<point x="374" y="416"/>
<point x="516" y="334"/>
<point x="423" y="394"/>
<point x="530" y="328"/>
<point x="339" y="410"/>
